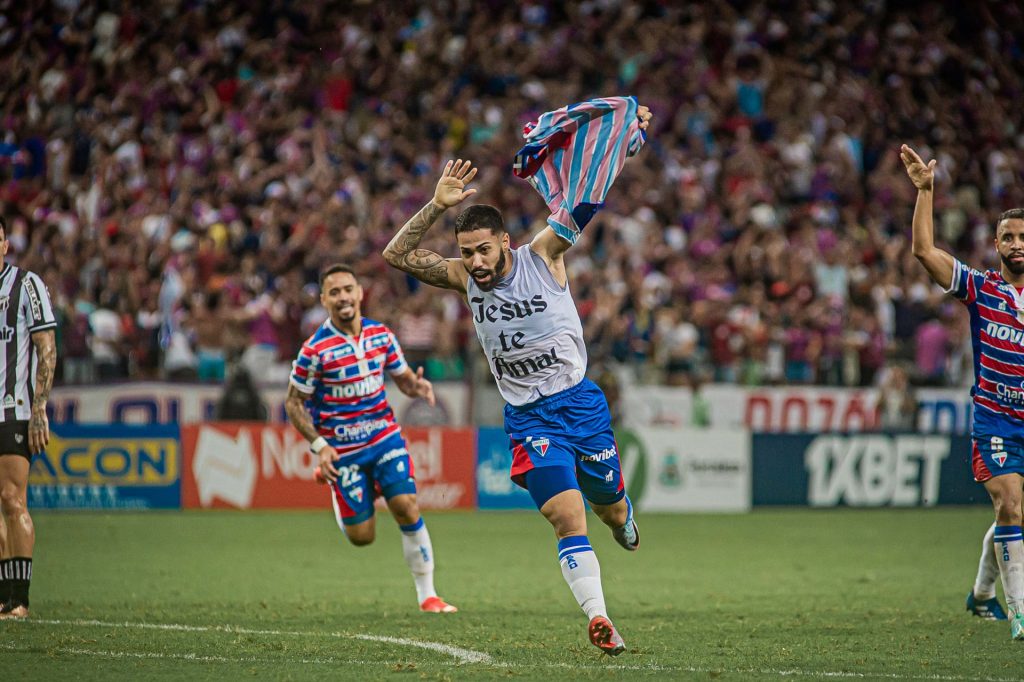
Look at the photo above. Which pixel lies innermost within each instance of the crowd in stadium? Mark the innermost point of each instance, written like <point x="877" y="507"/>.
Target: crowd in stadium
<point x="178" y="174"/>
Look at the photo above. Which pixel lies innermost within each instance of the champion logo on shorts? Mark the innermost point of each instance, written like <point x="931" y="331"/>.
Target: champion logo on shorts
<point x="999" y="457"/>
<point x="540" y="445"/>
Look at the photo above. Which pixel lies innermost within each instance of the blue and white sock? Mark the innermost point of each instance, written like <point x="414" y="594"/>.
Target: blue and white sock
<point x="1009" y="546"/>
<point x="988" y="568"/>
<point x="419" y="556"/>
<point x="582" y="572"/>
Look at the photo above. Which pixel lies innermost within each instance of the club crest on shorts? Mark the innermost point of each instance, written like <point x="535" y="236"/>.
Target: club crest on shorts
<point x="356" y="494"/>
<point x="18" y="438"/>
<point x="539" y="444"/>
<point x="999" y="457"/>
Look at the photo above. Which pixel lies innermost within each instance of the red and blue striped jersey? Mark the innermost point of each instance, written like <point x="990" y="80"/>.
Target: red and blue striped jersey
<point x="572" y="156"/>
<point x="997" y="336"/>
<point x="344" y="379"/>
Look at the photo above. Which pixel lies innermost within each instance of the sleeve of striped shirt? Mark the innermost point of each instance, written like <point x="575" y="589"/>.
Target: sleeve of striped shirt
<point x="395" y="362"/>
<point x="306" y="369"/>
<point x="39" y="311"/>
<point x="965" y="283"/>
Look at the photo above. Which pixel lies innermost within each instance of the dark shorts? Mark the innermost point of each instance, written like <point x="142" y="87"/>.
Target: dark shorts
<point x="14" y="439"/>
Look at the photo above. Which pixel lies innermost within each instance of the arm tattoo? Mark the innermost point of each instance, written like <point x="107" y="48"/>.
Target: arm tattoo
<point x="46" y="354"/>
<point x="404" y="254"/>
<point x="298" y="415"/>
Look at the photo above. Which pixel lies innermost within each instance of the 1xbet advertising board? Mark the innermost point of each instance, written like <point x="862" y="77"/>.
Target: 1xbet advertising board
<point x="863" y="470"/>
<point x="108" y="467"/>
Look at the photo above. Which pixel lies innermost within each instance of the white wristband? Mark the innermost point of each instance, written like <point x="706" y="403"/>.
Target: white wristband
<point x="319" y="444"/>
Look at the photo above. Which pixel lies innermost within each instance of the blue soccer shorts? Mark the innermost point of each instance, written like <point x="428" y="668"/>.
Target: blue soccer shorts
<point x="383" y="468"/>
<point x="997" y="445"/>
<point x="573" y="430"/>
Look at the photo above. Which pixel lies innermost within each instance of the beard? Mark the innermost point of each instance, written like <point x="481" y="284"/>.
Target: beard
<point x="1016" y="268"/>
<point x="346" y="316"/>
<point x="493" y="281"/>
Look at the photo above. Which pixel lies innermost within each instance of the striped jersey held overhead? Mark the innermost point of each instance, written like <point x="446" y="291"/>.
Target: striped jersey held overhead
<point x="24" y="308"/>
<point x="997" y="337"/>
<point x="344" y="379"/>
<point x="573" y="155"/>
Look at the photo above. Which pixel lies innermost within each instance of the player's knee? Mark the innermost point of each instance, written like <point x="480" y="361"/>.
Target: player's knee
<point x="566" y="514"/>
<point x="404" y="509"/>
<point x="360" y="539"/>
<point x="1008" y="512"/>
<point x="12" y="499"/>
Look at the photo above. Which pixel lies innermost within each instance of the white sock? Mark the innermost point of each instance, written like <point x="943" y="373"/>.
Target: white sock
<point x="988" y="567"/>
<point x="419" y="555"/>
<point x="1009" y="546"/>
<point x="582" y="572"/>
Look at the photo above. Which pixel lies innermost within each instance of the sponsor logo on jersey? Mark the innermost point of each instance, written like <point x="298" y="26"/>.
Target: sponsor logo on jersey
<point x="5" y="303"/>
<point x="607" y="453"/>
<point x="34" y="302"/>
<point x="364" y="387"/>
<point x="1010" y="393"/>
<point x="390" y="455"/>
<point x="1004" y="333"/>
<point x="360" y="429"/>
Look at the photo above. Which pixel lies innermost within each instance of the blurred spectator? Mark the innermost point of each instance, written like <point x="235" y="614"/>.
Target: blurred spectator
<point x="225" y="152"/>
<point x="240" y="400"/>
<point x="897" y="409"/>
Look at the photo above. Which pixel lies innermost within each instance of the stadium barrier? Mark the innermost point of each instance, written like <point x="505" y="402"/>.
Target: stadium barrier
<point x="670" y="469"/>
<point x="790" y="409"/>
<point x="863" y="470"/>
<point x="796" y="409"/>
<point x="156" y="402"/>
<point x="108" y="467"/>
<point x="269" y="466"/>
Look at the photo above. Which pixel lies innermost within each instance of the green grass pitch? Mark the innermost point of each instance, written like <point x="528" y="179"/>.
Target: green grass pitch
<point x="801" y="594"/>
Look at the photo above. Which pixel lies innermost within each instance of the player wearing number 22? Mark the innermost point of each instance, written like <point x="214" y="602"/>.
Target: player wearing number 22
<point x="557" y="420"/>
<point x="995" y="300"/>
<point x="336" y="400"/>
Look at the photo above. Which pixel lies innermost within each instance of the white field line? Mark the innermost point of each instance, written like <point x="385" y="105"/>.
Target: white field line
<point x="461" y="655"/>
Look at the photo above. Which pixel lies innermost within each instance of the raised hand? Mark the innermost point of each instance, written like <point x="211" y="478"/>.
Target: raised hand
<point x="922" y="175"/>
<point x="451" y="188"/>
<point x="644" y="114"/>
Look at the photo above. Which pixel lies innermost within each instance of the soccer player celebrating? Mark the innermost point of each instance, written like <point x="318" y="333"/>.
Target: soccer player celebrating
<point x="336" y="400"/>
<point x="557" y="420"/>
<point x="995" y="300"/>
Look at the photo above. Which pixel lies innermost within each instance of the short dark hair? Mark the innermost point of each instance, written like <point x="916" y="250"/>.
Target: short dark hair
<point x="1012" y="214"/>
<point x="333" y="269"/>
<point x="480" y="217"/>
